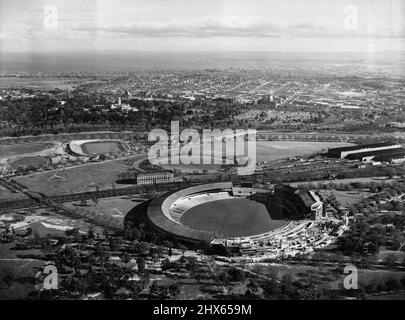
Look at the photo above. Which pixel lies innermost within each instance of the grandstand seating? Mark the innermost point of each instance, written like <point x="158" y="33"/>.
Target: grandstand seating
<point x="180" y="206"/>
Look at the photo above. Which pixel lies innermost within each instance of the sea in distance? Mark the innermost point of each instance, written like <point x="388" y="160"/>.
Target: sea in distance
<point x="108" y="61"/>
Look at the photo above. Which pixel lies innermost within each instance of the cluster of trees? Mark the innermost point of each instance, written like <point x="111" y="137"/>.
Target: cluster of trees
<point x="165" y="291"/>
<point x="186" y="263"/>
<point x="362" y="238"/>
<point x="287" y="289"/>
<point x="82" y="111"/>
<point x="85" y="261"/>
<point x="378" y="222"/>
<point x="230" y="275"/>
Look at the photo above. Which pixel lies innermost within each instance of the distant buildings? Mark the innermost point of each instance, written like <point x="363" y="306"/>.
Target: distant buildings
<point x="123" y="106"/>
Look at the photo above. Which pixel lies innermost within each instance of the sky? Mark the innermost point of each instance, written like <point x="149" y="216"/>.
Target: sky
<point x="203" y="25"/>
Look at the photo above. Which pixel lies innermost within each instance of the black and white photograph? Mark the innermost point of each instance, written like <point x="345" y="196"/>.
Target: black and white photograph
<point x="219" y="153"/>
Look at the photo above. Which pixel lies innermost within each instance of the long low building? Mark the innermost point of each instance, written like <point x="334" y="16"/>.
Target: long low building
<point x="343" y="152"/>
<point x="154" y="177"/>
<point x="391" y="158"/>
<point x="371" y="155"/>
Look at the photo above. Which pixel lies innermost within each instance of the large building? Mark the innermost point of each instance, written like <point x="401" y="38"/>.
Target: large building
<point x="343" y="152"/>
<point x="299" y="203"/>
<point x="391" y="158"/>
<point x="375" y="155"/>
<point x="154" y="177"/>
<point x="214" y="213"/>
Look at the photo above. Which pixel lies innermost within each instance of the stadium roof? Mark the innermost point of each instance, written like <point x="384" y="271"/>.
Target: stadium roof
<point x="154" y="173"/>
<point x="363" y="146"/>
<point x="376" y="153"/>
<point x="306" y="198"/>
<point x="389" y="157"/>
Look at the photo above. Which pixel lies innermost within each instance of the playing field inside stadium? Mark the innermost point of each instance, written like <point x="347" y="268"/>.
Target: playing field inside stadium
<point x="98" y="147"/>
<point x="231" y="218"/>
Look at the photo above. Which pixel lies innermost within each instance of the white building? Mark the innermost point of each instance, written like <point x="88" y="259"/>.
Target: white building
<point x="154" y="177"/>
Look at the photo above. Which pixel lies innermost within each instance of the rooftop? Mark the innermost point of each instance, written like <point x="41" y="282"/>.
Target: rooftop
<point x="377" y="153"/>
<point x="364" y="146"/>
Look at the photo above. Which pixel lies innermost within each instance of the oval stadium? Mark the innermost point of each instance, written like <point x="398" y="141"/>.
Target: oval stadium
<point x="215" y="213"/>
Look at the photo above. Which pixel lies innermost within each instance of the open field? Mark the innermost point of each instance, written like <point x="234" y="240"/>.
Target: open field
<point x="347" y="198"/>
<point x="6" y="194"/>
<point x="75" y="179"/>
<point x="231" y="218"/>
<point x="8" y="151"/>
<point x="116" y="207"/>
<point x="273" y="150"/>
<point x="195" y="167"/>
<point x="46" y="221"/>
<point x="265" y="151"/>
<point x="35" y="161"/>
<point x="98" y="147"/>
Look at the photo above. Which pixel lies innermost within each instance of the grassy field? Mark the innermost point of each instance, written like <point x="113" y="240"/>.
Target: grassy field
<point x="265" y="151"/>
<point x="233" y="217"/>
<point x="7" y="151"/>
<point x="273" y="150"/>
<point x="36" y="161"/>
<point x="6" y="194"/>
<point x="98" y="147"/>
<point x="116" y="207"/>
<point x="75" y="179"/>
<point x="346" y="198"/>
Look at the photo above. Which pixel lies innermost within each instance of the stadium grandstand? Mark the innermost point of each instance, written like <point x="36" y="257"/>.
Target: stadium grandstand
<point x="297" y="204"/>
<point x="371" y="155"/>
<point x="393" y="158"/>
<point x="343" y="152"/>
<point x="232" y="223"/>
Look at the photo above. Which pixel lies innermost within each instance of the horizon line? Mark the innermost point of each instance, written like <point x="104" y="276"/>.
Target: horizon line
<point x="193" y="51"/>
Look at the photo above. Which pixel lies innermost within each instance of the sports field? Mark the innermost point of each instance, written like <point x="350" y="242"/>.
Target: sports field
<point x="75" y="179"/>
<point x="98" y="147"/>
<point x="35" y="161"/>
<point x="231" y="218"/>
<point x="8" y="151"/>
<point x="273" y="150"/>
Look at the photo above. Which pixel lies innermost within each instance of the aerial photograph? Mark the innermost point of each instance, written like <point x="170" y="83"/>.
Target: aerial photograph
<point x="175" y="151"/>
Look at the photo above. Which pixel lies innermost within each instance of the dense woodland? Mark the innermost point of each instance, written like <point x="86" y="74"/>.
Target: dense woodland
<point x="84" y="112"/>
